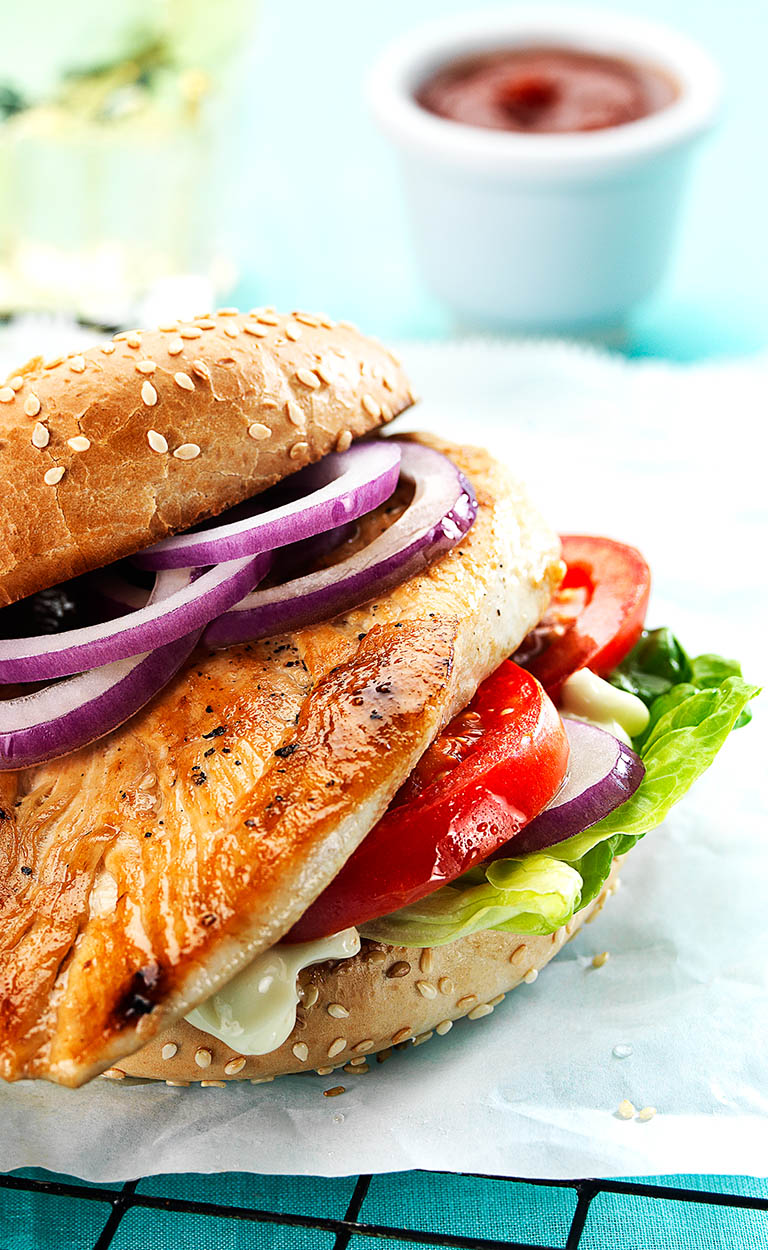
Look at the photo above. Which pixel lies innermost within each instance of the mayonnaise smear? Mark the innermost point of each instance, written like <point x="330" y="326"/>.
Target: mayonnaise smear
<point x="255" y="1012"/>
<point x="587" y="697"/>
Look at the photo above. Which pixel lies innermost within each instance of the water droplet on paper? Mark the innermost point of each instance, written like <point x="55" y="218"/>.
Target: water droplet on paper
<point x="622" y="1051"/>
<point x="339" y="1117"/>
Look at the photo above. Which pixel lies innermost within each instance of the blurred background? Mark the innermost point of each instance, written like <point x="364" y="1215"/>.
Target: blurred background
<point x="231" y="143"/>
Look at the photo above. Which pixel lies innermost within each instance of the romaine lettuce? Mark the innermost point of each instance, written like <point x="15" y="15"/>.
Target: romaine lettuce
<point x="537" y="893"/>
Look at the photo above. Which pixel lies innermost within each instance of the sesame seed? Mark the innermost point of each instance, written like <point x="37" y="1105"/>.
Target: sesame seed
<point x="169" y="1050"/>
<point x="258" y="332"/>
<point x="625" y="1109"/>
<point x="400" y="968"/>
<point x="54" y="476"/>
<point x="16" y="383"/>
<point x="234" y="1066"/>
<point x="169" y="327"/>
<point x="259" y="431"/>
<point x="301" y="1051"/>
<point x="326" y="323"/>
<point x="530" y="976"/>
<point x="365" y="1045"/>
<point x="334" y="1093"/>
<point x="444" y="1027"/>
<point x="201" y="369"/>
<point x="107" y="348"/>
<point x="422" y="1038"/>
<point x="325" y="373"/>
<point x="261" y="1080"/>
<point x="207" y="325"/>
<point x="336" y="1047"/>
<point x="203" y="1057"/>
<point x="54" y="364"/>
<point x="77" y="364"/>
<point x="114" y="1074"/>
<point x="311" y="995"/>
<point x="371" y="407"/>
<point x="79" y="442"/>
<point x="323" y="1071"/>
<point x="32" y="405"/>
<point x="426" y="989"/>
<point x="231" y="331"/>
<point x="295" y="413"/>
<point x="356" y="1067"/>
<point x="179" y="1084"/>
<point x="426" y="960"/>
<point x="308" y="378"/>
<point x="148" y="394"/>
<point x="355" y="1063"/>
<point x="599" y="961"/>
<point x="213" y="1084"/>
<point x="227" y="312"/>
<point x="133" y="340"/>
<point x="337" y="1011"/>
<point x="292" y="332"/>
<point x="40" y="436"/>
<point x="190" y="332"/>
<point x="494" y="1002"/>
<point x="157" y="442"/>
<point x="145" y="366"/>
<point x="482" y="1009"/>
<point x="298" y="450"/>
<point x="187" y="451"/>
<point x="268" y="318"/>
<point x="445" y="985"/>
<point x="184" y="381"/>
<point x="402" y="1035"/>
<point x="386" y="412"/>
<point x="344" y="441"/>
<point x="467" y="1000"/>
<point x="622" y="1051"/>
<point x="175" y="347"/>
<point x="7" y="394"/>
<point x="306" y="319"/>
<point x="647" y="1113"/>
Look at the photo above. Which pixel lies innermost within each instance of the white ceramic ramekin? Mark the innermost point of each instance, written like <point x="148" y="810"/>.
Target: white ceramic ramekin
<point x="545" y="232"/>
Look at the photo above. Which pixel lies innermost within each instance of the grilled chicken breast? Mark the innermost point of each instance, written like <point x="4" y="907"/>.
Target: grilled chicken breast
<point x="141" y="873"/>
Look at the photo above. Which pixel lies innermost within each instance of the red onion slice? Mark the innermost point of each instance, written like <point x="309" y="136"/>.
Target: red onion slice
<point x="182" y="600"/>
<point x="602" y="774"/>
<point x="344" y="486"/>
<point x="442" y="510"/>
<point x="71" y="714"/>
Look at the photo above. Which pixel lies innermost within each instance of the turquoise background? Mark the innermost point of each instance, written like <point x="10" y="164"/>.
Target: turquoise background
<point x="318" y="223"/>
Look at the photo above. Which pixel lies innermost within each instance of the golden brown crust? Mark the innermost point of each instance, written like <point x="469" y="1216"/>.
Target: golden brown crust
<point x="391" y="993"/>
<point x="300" y="384"/>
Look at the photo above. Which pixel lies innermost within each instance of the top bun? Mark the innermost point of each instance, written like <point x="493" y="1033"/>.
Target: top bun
<point x="107" y="451"/>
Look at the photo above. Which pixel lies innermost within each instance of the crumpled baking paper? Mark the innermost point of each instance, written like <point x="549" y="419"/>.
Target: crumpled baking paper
<point x="672" y="459"/>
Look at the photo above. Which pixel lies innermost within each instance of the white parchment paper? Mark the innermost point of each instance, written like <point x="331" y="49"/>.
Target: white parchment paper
<point x="673" y="459"/>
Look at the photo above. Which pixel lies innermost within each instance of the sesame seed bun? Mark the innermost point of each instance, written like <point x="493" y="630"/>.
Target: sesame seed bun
<point x="354" y="1008"/>
<point x="107" y="451"/>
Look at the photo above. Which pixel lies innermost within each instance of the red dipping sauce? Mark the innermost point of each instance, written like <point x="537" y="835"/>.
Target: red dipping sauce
<point x="546" y="91"/>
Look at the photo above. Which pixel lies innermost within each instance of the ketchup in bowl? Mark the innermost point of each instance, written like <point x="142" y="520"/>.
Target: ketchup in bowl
<point x="543" y="90"/>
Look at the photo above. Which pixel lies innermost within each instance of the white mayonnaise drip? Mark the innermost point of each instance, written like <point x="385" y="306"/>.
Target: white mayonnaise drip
<point x="255" y="1012"/>
<point x="587" y="697"/>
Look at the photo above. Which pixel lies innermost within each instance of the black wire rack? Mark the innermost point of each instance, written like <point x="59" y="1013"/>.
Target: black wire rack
<point x="347" y="1228"/>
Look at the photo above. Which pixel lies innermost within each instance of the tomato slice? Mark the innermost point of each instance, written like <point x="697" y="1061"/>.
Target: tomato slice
<point x="496" y="766"/>
<point x="596" y="616"/>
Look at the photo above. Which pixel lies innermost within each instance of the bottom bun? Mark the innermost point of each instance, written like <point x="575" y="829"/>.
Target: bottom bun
<point x="352" y="1008"/>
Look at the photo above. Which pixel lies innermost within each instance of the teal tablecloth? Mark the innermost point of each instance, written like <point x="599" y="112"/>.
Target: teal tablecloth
<point x="321" y="224"/>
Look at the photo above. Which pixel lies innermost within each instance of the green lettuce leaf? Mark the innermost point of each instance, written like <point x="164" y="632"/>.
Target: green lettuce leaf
<point x="537" y="893"/>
